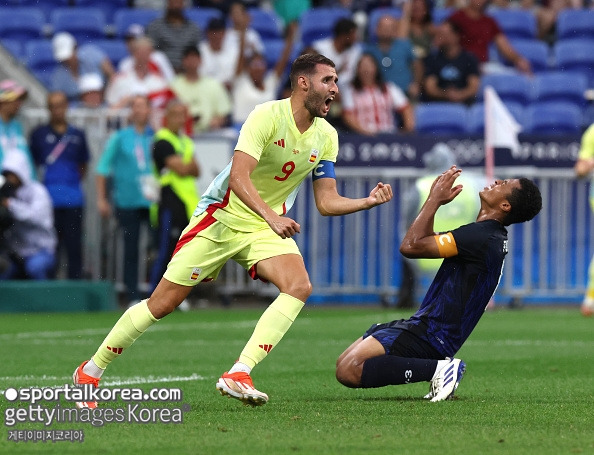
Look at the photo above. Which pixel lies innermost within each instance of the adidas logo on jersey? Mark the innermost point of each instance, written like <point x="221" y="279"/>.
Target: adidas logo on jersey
<point x="266" y="347"/>
<point x="280" y="143"/>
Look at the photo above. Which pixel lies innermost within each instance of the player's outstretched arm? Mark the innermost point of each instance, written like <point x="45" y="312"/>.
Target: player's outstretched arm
<point x="243" y="187"/>
<point x="419" y="241"/>
<point x="330" y="203"/>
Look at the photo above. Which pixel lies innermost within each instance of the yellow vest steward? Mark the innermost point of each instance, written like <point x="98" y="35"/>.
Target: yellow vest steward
<point x="462" y="210"/>
<point x="183" y="186"/>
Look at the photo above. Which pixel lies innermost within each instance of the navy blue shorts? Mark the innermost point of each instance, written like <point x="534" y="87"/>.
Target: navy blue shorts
<point x="401" y="342"/>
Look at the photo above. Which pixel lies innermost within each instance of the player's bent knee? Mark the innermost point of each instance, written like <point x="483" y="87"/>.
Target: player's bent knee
<point x="300" y="288"/>
<point x="348" y="373"/>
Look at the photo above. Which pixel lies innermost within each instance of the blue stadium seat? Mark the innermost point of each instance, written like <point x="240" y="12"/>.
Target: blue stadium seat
<point x="374" y="18"/>
<point x="21" y="23"/>
<point x="318" y="23"/>
<point x="476" y="116"/>
<point x="553" y="118"/>
<point x="575" y="23"/>
<point x="441" y="118"/>
<point x="515" y="23"/>
<point x="39" y="59"/>
<point x="589" y="116"/>
<point x="509" y="87"/>
<point x="273" y="48"/>
<point x="533" y="50"/>
<point x="561" y="86"/>
<point x="266" y="23"/>
<point x="123" y="18"/>
<point x="575" y="55"/>
<point x="45" y="6"/>
<point x="201" y="16"/>
<point x="15" y="47"/>
<point x="439" y="15"/>
<point x="85" y="24"/>
<point x="109" y="7"/>
<point x="115" y="49"/>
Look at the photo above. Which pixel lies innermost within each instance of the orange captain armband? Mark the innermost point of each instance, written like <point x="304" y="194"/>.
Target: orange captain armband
<point x="446" y="245"/>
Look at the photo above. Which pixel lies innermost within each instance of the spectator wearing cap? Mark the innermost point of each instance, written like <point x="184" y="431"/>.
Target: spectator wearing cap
<point x="76" y="61"/>
<point x="12" y="139"/>
<point x="90" y="87"/>
<point x="61" y="153"/>
<point x="219" y="55"/>
<point x="342" y="48"/>
<point x="140" y="80"/>
<point x="173" y="32"/>
<point x="207" y="100"/>
<point x="158" y="61"/>
<point x="30" y="237"/>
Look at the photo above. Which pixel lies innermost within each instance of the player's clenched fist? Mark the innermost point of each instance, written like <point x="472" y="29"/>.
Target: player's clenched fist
<point x="285" y="227"/>
<point x="380" y="194"/>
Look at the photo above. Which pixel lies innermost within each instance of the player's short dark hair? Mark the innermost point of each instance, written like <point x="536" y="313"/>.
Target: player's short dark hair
<point x="343" y="26"/>
<point x="525" y="202"/>
<point x="191" y="50"/>
<point x="306" y="65"/>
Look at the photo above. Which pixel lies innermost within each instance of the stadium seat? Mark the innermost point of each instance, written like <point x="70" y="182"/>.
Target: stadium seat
<point x="589" y="116"/>
<point x="318" y="23"/>
<point x="202" y="16"/>
<point x="21" y="23"/>
<point x="273" y="48"/>
<point x="39" y="59"/>
<point x="439" y="15"/>
<point x="535" y="51"/>
<point x="15" y="47"/>
<point x="509" y="87"/>
<point x="374" y="18"/>
<point x="515" y="23"/>
<point x="109" y="7"/>
<point x="561" y="86"/>
<point x="45" y="6"/>
<point x="476" y="116"/>
<point x="115" y="49"/>
<point x="553" y="118"/>
<point x="85" y="24"/>
<point x="575" y="23"/>
<point x="266" y="23"/>
<point x="441" y="118"/>
<point x="123" y="18"/>
<point x="575" y="55"/>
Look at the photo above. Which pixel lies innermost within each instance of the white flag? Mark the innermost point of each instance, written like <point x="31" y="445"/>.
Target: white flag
<point x="501" y="129"/>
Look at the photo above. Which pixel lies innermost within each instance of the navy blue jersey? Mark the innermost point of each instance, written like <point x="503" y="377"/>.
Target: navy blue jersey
<point x="462" y="287"/>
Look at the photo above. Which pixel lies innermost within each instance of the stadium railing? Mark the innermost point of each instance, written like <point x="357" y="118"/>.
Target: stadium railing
<point x="355" y="258"/>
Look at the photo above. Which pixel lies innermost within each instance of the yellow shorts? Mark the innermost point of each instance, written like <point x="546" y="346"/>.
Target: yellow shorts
<point x="206" y="245"/>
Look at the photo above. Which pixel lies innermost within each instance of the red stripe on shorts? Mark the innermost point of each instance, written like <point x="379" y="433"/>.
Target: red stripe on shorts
<point x="207" y="221"/>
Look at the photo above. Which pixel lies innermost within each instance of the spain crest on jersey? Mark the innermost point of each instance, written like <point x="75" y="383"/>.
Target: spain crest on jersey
<point x="313" y="156"/>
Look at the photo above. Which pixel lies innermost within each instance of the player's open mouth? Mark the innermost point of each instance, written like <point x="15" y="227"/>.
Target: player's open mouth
<point x="328" y="102"/>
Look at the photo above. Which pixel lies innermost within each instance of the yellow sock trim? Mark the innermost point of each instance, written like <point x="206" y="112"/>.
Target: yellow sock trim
<point x="271" y="327"/>
<point x="129" y="327"/>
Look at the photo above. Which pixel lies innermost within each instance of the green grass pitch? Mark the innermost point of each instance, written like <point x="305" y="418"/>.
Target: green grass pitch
<point x="528" y="387"/>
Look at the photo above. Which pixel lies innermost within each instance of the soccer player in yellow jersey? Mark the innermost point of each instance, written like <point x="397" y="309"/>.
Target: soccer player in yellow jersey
<point x="241" y="217"/>
<point x="584" y="167"/>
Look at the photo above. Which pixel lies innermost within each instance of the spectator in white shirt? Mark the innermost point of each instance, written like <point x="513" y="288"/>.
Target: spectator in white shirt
<point x="140" y="80"/>
<point x="342" y="48"/>
<point x="254" y="84"/>
<point x="158" y="61"/>
<point x="240" y="20"/>
<point x="369" y="103"/>
<point x="219" y="55"/>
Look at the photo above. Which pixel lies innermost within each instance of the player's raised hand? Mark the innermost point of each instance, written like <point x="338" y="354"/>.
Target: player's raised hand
<point x="380" y="194"/>
<point x="284" y="227"/>
<point x="443" y="189"/>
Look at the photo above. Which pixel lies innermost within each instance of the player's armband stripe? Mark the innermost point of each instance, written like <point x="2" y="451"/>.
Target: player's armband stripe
<point x="446" y="245"/>
<point x="324" y="170"/>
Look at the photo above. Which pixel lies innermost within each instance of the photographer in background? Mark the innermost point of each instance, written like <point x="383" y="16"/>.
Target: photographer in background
<point x="28" y="238"/>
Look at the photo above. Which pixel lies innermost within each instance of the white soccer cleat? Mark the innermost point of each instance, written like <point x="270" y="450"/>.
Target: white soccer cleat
<point x="240" y="386"/>
<point x="446" y="382"/>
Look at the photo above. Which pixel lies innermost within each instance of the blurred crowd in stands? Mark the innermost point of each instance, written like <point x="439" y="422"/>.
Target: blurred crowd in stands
<point x="217" y="59"/>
